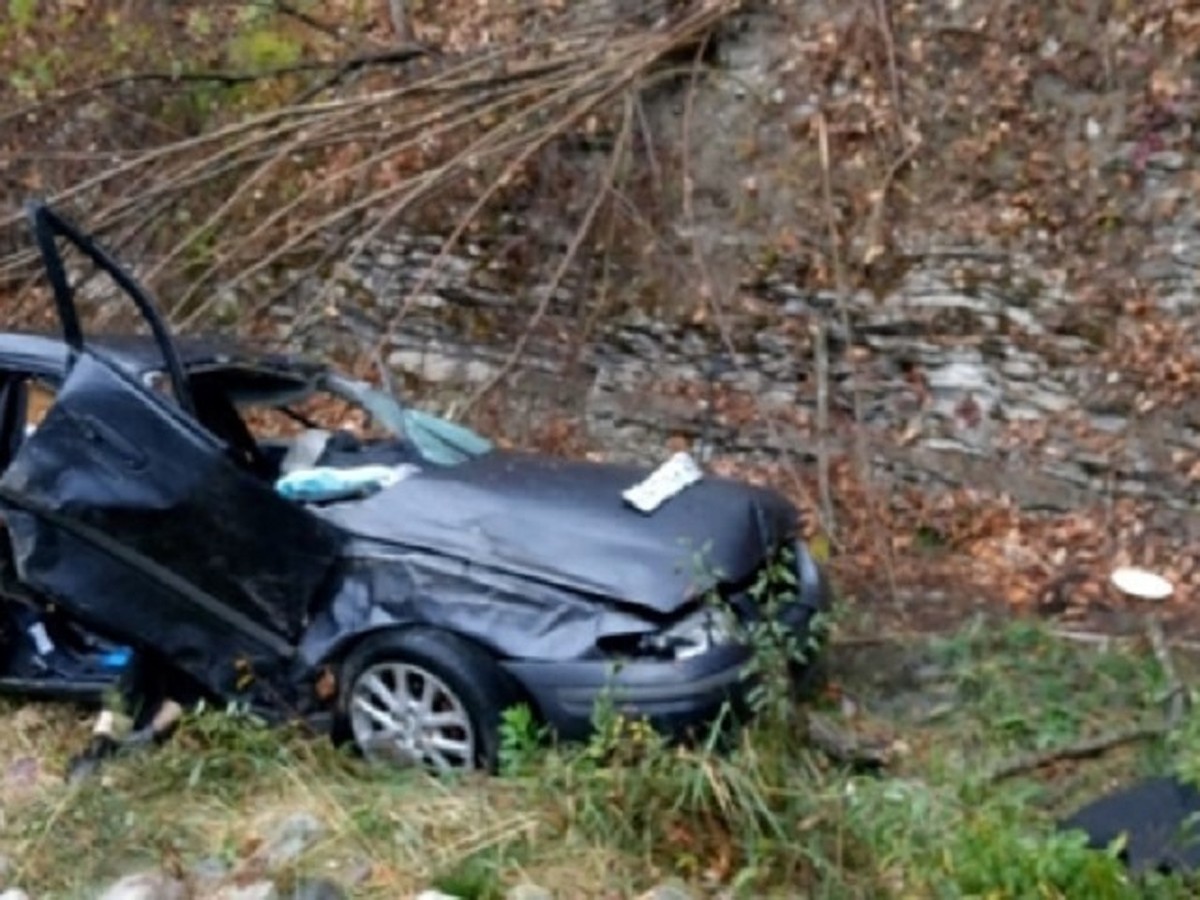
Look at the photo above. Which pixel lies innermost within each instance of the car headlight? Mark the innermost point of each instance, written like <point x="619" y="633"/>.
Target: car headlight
<point x="696" y="633"/>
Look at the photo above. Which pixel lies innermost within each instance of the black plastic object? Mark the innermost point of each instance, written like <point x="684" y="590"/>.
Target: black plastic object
<point x="1155" y="817"/>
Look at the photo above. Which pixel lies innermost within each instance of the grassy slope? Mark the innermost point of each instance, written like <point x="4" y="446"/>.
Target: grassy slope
<point x="771" y="820"/>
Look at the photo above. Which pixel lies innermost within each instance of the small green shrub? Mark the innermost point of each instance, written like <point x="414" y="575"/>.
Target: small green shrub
<point x="471" y="878"/>
<point x="521" y="739"/>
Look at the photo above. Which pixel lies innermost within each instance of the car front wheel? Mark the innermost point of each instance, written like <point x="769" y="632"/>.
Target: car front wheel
<point x="423" y="697"/>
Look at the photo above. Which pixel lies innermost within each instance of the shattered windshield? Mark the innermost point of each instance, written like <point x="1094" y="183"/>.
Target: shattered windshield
<point x="438" y="440"/>
<point x="291" y="408"/>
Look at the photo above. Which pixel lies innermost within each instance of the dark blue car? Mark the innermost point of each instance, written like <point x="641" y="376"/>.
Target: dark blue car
<point x="271" y="532"/>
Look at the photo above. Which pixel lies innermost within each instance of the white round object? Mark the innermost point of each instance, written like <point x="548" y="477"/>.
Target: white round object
<point x="1141" y="583"/>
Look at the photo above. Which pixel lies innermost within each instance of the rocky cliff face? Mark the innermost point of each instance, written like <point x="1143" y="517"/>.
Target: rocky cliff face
<point x="991" y="362"/>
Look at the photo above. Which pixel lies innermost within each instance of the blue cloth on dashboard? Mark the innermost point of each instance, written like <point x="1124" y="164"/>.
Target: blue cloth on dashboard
<point x="324" y="483"/>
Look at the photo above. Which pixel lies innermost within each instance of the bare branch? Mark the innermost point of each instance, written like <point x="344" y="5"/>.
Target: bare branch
<point x="1080" y="750"/>
<point x="843" y="306"/>
<point x="581" y="234"/>
<point x="398" y="13"/>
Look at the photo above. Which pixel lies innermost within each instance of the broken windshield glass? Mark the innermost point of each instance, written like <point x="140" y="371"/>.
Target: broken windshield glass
<point x="439" y="441"/>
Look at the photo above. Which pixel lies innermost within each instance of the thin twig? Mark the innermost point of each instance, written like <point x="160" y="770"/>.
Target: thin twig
<point x="390" y="57"/>
<point x="875" y="227"/>
<point x="821" y="364"/>
<point x="843" y="306"/>
<point x="339" y="67"/>
<point x="1179" y="698"/>
<point x="581" y="234"/>
<point x="1106" y="640"/>
<point x="884" y="19"/>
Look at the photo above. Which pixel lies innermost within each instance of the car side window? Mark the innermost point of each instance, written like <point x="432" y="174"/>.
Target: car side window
<point x="24" y="401"/>
<point x="40" y="396"/>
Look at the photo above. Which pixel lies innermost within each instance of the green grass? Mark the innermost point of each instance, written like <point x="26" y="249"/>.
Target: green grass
<point x="1004" y="691"/>
<point x="765" y="818"/>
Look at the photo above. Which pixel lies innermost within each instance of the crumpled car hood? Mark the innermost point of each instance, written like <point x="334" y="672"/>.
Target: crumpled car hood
<point x="565" y="522"/>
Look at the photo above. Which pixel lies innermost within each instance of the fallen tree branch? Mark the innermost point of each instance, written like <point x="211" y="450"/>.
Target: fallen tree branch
<point x="339" y="69"/>
<point x="391" y="57"/>
<point x="842" y="294"/>
<point x="409" y="191"/>
<point x="616" y="73"/>
<point x="281" y="188"/>
<point x="477" y="73"/>
<point x="1080" y="750"/>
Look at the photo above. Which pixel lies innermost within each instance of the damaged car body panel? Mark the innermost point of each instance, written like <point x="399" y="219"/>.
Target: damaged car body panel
<point x="508" y="510"/>
<point x="146" y="507"/>
<point x="120" y="487"/>
<point x="501" y="611"/>
<point x="115" y="466"/>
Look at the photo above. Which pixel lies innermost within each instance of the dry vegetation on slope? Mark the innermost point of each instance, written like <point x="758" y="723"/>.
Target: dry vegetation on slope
<point x="237" y="150"/>
<point x="246" y="154"/>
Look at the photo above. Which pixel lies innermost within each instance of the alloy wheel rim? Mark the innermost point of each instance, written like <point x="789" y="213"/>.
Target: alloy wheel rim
<point x="404" y="714"/>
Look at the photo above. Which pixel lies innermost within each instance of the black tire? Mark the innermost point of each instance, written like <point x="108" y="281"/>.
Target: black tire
<point x="480" y="685"/>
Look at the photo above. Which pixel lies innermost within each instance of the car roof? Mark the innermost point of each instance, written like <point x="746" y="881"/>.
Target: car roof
<point x="45" y="354"/>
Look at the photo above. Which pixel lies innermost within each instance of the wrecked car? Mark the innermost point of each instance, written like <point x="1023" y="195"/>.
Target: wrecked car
<point x="288" y="538"/>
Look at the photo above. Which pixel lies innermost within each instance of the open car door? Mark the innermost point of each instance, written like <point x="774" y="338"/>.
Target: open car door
<point x="129" y="514"/>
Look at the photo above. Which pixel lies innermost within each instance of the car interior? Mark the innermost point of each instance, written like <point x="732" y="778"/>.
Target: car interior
<point x="275" y="423"/>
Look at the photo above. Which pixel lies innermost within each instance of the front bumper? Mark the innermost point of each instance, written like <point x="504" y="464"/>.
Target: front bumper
<point x="678" y="697"/>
